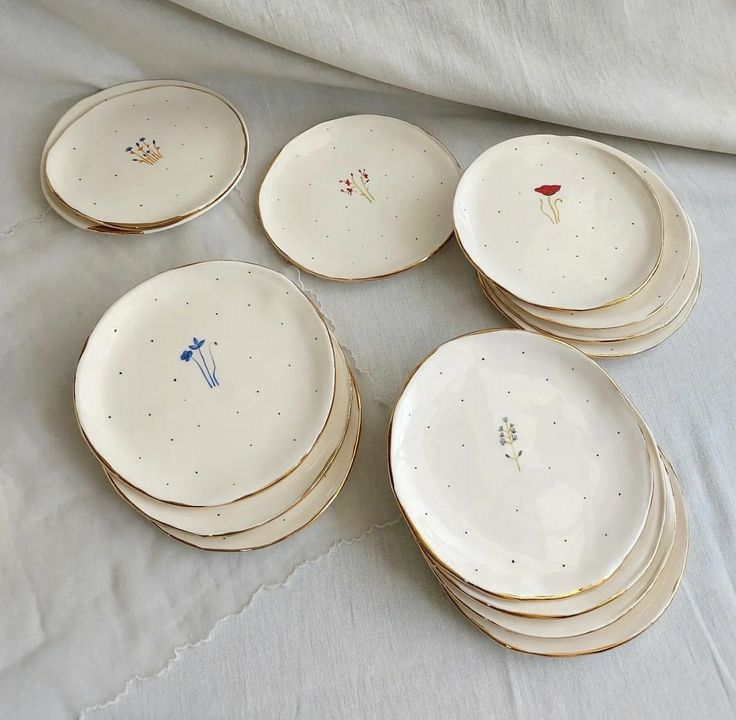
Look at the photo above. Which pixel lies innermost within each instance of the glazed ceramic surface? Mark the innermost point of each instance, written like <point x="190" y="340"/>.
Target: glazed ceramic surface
<point x="315" y="502"/>
<point x="635" y="564"/>
<point x="614" y="348"/>
<point x="559" y="222"/>
<point x="661" y="317"/>
<point x="663" y="284"/>
<point x="589" y="621"/>
<point x="520" y="465"/>
<point x="631" y="624"/>
<point x="206" y="383"/>
<point x="257" y="509"/>
<point x="359" y="197"/>
<point x="148" y="156"/>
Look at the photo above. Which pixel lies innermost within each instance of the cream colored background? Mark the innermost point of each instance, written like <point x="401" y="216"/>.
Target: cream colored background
<point x="325" y="626"/>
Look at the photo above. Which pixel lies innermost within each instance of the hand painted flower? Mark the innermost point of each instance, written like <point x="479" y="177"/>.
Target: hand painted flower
<point x="196" y="344"/>
<point x="548" y="189"/>
<point x="186" y="356"/>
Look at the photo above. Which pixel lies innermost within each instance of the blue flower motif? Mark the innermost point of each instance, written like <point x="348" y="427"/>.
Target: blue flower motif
<point x="196" y="344"/>
<point x="186" y="356"/>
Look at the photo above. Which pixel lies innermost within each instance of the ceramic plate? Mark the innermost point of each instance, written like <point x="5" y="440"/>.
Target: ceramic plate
<point x="315" y="502"/>
<point x="594" y="619"/>
<point x="667" y="278"/>
<point x="265" y="505"/>
<point x="636" y="563"/>
<point x="148" y="156"/>
<point x="615" y="348"/>
<point x="80" y="109"/>
<point x="359" y="197"/>
<point x="206" y="383"/>
<point x="655" y="321"/>
<point x="559" y="222"/>
<point x="520" y="465"/>
<point x="634" y="622"/>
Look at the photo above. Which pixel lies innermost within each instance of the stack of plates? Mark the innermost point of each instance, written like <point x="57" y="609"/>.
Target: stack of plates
<point x="143" y="157"/>
<point x="537" y="493"/>
<point x="579" y="241"/>
<point x="219" y="405"/>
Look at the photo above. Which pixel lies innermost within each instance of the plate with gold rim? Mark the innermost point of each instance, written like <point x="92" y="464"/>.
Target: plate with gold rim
<point x="274" y="500"/>
<point x="559" y="222"/>
<point x="614" y="348"/>
<point x="100" y="177"/>
<point x="669" y="275"/>
<point x="641" y="616"/>
<point x="631" y="570"/>
<point x="659" y="319"/>
<point x="359" y="197"/>
<point x="206" y="383"/>
<point x="594" y="618"/>
<point x="520" y="465"/>
<point x="314" y="503"/>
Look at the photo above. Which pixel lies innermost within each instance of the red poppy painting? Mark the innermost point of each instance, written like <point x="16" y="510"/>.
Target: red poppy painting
<point x="548" y="191"/>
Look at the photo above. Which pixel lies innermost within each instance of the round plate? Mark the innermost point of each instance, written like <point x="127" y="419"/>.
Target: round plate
<point x="315" y="502"/>
<point x="148" y="156"/>
<point x="636" y="563"/>
<point x="656" y="320"/>
<point x="559" y="222"/>
<point x="206" y="383"/>
<point x="596" y="618"/>
<point x="265" y="505"/>
<point x="520" y="465"/>
<point x="666" y="280"/>
<point x="359" y="197"/>
<point x="633" y="623"/>
<point x="80" y="109"/>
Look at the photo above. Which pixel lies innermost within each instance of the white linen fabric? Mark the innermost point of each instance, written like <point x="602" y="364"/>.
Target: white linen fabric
<point x="92" y="596"/>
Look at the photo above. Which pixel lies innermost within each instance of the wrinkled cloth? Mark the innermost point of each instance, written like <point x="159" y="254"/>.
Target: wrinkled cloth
<point x="93" y="596"/>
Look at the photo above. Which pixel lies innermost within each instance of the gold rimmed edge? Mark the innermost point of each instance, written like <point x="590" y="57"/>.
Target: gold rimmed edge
<point x="107" y="464"/>
<point x="103" y="226"/>
<point x="319" y="475"/>
<point x="356" y="445"/>
<point x="642" y="426"/>
<point x="553" y="307"/>
<point x="673" y="480"/>
<point x="592" y="354"/>
<point x="381" y="276"/>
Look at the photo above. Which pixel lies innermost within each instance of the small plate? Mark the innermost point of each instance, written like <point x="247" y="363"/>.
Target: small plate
<point x="315" y="502"/>
<point x="559" y="222"/>
<point x="359" y="197"/>
<point x="615" y="348"/>
<point x="634" y="566"/>
<point x="147" y="157"/>
<point x="267" y="504"/>
<point x="664" y="316"/>
<point x="666" y="280"/>
<point x="520" y="465"/>
<point x="206" y="383"/>
<point x="643" y="614"/>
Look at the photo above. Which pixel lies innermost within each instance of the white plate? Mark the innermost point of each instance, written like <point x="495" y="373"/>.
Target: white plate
<point x="80" y="109"/>
<point x="594" y="619"/>
<point x="559" y="222"/>
<point x="661" y="287"/>
<point x="265" y="505"/>
<point x="557" y="507"/>
<point x="633" y="623"/>
<point x="193" y="150"/>
<point x="206" y="383"/>
<point x="665" y="315"/>
<point x="636" y="563"/>
<point x="615" y="348"/>
<point x="315" y="502"/>
<point x="359" y="197"/>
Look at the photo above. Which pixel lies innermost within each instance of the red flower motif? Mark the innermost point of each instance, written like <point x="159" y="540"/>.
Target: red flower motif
<point x="547" y="189"/>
